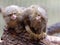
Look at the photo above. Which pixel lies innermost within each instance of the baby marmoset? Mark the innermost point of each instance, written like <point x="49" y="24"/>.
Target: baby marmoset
<point x="35" y="17"/>
<point x="10" y="14"/>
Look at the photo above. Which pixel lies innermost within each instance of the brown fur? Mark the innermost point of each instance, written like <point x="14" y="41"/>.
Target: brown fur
<point x="7" y="13"/>
<point x="28" y="24"/>
<point x="37" y="26"/>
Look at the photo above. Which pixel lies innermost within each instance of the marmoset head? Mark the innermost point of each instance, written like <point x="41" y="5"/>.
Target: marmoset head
<point x="38" y="18"/>
<point x="10" y="14"/>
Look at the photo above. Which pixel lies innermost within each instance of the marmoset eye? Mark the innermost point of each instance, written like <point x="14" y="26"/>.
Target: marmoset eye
<point x="10" y="14"/>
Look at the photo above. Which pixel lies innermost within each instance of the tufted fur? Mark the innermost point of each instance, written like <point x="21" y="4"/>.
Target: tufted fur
<point x="32" y="18"/>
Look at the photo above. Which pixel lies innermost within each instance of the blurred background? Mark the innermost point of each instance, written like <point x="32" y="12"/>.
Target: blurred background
<point x="52" y="7"/>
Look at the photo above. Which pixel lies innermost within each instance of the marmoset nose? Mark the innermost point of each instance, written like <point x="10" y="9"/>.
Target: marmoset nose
<point x="13" y="17"/>
<point x="38" y="18"/>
